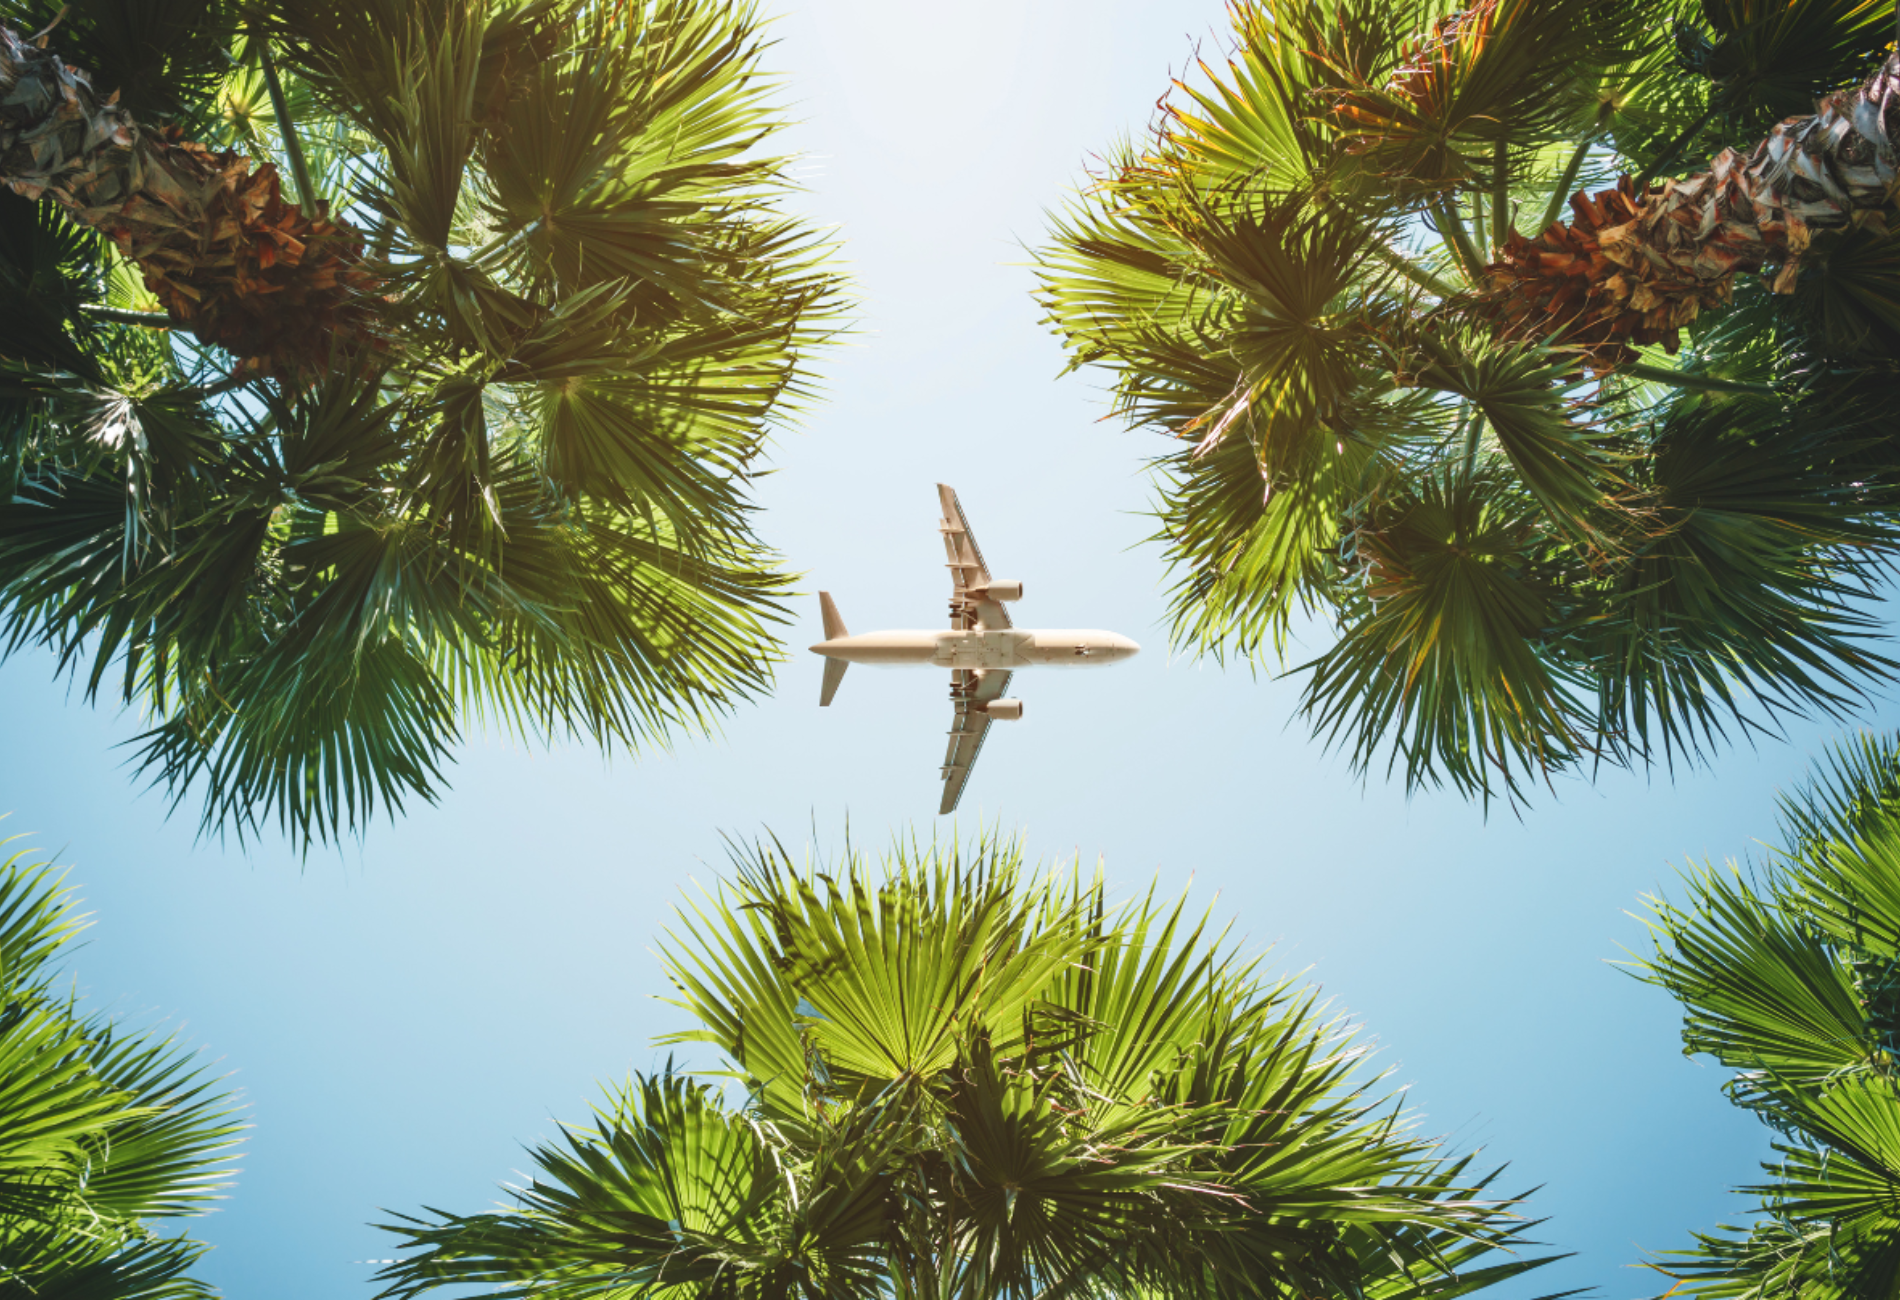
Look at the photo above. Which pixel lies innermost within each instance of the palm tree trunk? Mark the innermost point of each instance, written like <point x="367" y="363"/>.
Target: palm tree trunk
<point x="1640" y="262"/>
<point x="229" y="258"/>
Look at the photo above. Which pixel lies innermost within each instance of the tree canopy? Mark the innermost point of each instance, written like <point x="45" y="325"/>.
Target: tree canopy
<point x="1789" y="977"/>
<point x="105" y="1133"/>
<point x="368" y="370"/>
<point x="1614" y="491"/>
<point x="948" y="1073"/>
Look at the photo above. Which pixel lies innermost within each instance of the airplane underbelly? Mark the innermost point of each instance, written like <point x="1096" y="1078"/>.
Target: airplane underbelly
<point x="984" y="650"/>
<point x="1072" y="648"/>
<point x="981" y="650"/>
<point x="884" y="648"/>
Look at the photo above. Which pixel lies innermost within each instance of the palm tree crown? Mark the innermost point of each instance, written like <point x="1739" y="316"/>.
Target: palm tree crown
<point x="1790" y="978"/>
<point x="102" y="1131"/>
<point x="955" y="1077"/>
<point x="1546" y="536"/>
<point x="373" y="367"/>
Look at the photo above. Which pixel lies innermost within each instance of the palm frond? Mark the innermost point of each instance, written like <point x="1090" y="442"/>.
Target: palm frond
<point x="966" y="1075"/>
<point x="1445" y="650"/>
<point x="520" y="496"/>
<point x="1788" y="979"/>
<point x="101" y="1129"/>
<point x="1454" y="452"/>
<point x="1759" y="995"/>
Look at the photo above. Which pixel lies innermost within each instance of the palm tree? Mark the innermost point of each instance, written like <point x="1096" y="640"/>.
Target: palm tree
<point x="101" y="1130"/>
<point x="372" y="367"/>
<point x="1547" y="535"/>
<point x="1790" y="978"/>
<point x="954" y="1076"/>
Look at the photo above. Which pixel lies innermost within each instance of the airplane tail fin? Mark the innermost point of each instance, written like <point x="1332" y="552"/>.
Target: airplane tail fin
<point x="834" y="673"/>
<point x="834" y="628"/>
<point x="834" y="625"/>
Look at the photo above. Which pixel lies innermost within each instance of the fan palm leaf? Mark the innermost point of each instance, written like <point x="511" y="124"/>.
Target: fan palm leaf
<point x="102" y="1131"/>
<point x="514" y="492"/>
<point x="1535" y="544"/>
<point x="955" y="1074"/>
<point x="1790" y="978"/>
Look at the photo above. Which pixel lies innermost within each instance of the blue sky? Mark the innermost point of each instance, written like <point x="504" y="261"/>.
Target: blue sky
<point x="403" y="1017"/>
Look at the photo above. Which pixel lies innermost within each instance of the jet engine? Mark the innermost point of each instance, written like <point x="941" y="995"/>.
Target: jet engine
<point x="1000" y="591"/>
<point x="1003" y="710"/>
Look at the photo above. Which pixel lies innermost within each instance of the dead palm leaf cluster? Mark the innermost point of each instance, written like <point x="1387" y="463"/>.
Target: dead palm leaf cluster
<point x="371" y="369"/>
<point x="1542" y="494"/>
<point x="209" y="232"/>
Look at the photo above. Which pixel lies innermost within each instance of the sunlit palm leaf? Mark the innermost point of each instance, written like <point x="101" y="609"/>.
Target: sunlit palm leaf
<point x="525" y="502"/>
<point x="1320" y="254"/>
<point x="1758" y="993"/>
<point x="101" y="1130"/>
<point x="969" y="1077"/>
<point x="1789" y="979"/>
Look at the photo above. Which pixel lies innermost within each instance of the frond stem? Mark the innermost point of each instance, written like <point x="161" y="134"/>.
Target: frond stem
<point x="1457" y="238"/>
<point x="1472" y="432"/>
<point x="1411" y="270"/>
<point x="225" y="385"/>
<point x="156" y="320"/>
<point x="496" y="247"/>
<point x="1565" y="184"/>
<point x="287" y="129"/>
<point x="1500" y="194"/>
<point x="1703" y="383"/>
<point x="1668" y="155"/>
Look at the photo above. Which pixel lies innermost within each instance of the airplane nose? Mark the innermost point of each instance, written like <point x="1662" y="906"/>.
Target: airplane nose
<point x="1125" y="648"/>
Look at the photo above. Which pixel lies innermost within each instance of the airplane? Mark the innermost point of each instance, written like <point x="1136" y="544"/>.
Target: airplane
<point x="982" y="649"/>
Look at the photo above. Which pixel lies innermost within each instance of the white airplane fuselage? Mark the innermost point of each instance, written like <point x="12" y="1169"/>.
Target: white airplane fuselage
<point x="1004" y="648"/>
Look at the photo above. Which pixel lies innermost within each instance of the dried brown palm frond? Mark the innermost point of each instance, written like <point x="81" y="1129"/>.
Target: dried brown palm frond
<point x="231" y="260"/>
<point x="1640" y="262"/>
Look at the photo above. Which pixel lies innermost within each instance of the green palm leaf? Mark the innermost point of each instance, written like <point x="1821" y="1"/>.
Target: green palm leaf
<point x="519" y="496"/>
<point x="1347" y="254"/>
<point x="1788" y="979"/>
<point x="966" y="1076"/>
<point x="42" y="1262"/>
<point x="1760" y="995"/>
<point x="101" y="1129"/>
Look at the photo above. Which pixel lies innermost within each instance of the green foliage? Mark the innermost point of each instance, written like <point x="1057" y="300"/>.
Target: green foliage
<point x="100" y="1130"/>
<point x="1790" y="978"/>
<point x="1521" y="570"/>
<point x="954" y="1074"/>
<point x="1769" y="59"/>
<point x="527" y="506"/>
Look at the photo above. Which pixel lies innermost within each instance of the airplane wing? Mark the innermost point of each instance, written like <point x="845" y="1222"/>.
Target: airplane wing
<point x="967" y="570"/>
<point x="968" y="686"/>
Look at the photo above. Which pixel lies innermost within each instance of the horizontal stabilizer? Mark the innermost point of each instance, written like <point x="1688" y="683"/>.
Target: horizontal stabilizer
<point x="834" y="625"/>
<point x="834" y="673"/>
